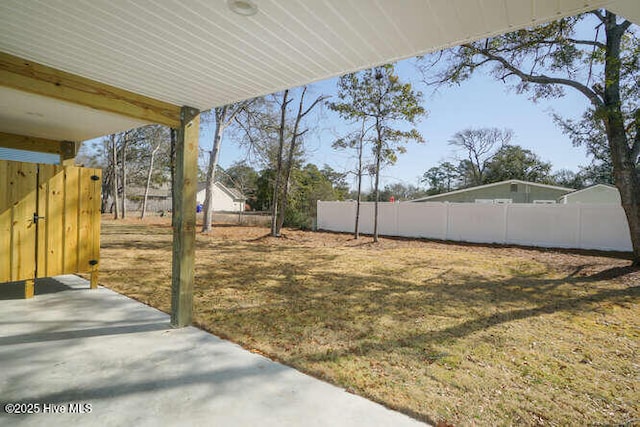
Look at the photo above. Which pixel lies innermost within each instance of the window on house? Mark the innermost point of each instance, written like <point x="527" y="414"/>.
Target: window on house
<point x="514" y="188"/>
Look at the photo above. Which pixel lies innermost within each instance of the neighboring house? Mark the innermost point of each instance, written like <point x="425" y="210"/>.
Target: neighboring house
<point x="158" y="199"/>
<point x="510" y="191"/>
<point x="599" y="193"/>
<point x="224" y="198"/>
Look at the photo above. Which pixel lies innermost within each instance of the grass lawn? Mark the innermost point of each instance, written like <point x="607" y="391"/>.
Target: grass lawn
<point x="470" y="334"/>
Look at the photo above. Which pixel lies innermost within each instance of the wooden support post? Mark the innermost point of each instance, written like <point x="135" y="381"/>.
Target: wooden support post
<point x="94" y="278"/>
<point x="184" y="221"/>
<point x="29" y="288"/>
<point x="68" y="152"/>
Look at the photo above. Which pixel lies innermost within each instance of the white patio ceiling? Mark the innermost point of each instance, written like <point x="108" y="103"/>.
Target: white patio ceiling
<point x="200" y="54"/>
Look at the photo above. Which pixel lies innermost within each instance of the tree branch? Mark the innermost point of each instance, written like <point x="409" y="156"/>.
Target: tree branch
<point x="534" y="41"/>
<point x="237" y="109"/>
<point x="247" y="131"/>
<point x="319" y="99"/>
<point x="599" y="15"/>
<point x="588" y="42"/>
<point x="539" y="79"/>
<point x="299" y="134"/>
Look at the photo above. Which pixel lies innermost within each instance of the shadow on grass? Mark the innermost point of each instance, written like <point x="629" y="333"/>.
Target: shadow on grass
<point x="582" y="252"/>
<point x="308" y="290"/>
<point x="348" y="307"/>
<point x="244" y="294"/>
<point x="466" y="328"/>
<point x="302" y="298"/>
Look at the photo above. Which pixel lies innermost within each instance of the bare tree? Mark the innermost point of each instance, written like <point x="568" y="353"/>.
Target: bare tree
<point x="223" y="117"/>
<point x="276" y="187"/>
<point x="356" y="141"/>
<point x="114" y="170"/>
<point x="480" y="145"/>
<point x="149" y="174"/>
<point x="296" y="135"/>
<point x="123" y="170"/>
<point x="135" y="157"/>
<point x="173" y="136"/>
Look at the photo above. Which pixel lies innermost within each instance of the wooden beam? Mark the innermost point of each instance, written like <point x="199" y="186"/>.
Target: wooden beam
<point x="21" y="142"/>
<point x="184" y="220"/>
<point x="28" y="76"/>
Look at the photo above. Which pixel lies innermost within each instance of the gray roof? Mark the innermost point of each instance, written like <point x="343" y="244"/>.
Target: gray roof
<point x="591" y="187"/>
<point x="153" y="192"/>
<point x="493" y="184"/>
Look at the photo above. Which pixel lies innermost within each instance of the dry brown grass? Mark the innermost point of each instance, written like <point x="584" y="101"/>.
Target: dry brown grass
<point x="468" y="334"/>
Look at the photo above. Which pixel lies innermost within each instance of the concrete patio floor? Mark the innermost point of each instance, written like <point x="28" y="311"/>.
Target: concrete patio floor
<point x="71" y="345"/>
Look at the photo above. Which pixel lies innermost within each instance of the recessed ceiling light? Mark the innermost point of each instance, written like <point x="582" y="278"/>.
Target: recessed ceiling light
<point x="243" y="7"/>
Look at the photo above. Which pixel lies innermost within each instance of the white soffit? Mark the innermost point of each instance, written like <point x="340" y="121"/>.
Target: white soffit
<point x="199" y="53"/>
<point x="34" y="115"/>
<point x="630" y="9"/>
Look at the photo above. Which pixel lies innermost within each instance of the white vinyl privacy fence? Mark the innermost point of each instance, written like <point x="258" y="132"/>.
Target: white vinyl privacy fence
<point x="580" y="226"/>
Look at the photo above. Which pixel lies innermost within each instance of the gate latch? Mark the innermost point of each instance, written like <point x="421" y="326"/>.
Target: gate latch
<point x="36" y="217"/>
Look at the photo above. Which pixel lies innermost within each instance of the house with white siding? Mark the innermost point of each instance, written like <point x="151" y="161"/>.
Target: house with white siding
<point x="225" y="199"/>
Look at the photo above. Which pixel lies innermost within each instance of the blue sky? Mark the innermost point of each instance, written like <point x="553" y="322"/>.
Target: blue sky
<point x="478" y="102"/>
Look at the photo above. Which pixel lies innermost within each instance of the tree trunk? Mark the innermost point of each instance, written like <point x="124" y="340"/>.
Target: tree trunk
<point x="628" y="184"/>
<point x="283" y="201"/>
<point x="295" y="137"/>
<point x="289" y="165"/>
<point x="276" y="186"/>
<point x="146" y="189"/>
<point x="207" y="220"/>
<point x="124" y="176"/>
<point x="356" y="233"/>
<point x="624" y="165"/>
<point x="285" y="186"/>
<point x="173" y="175"/>
<point x="377" y="183"/>
<point x="114" y="169"/>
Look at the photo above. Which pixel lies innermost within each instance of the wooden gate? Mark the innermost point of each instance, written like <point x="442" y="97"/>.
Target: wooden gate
<point x="49" y="221"/>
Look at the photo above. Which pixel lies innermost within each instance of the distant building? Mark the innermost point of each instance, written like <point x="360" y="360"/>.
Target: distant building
<point x="510" y="191"/>
<point x="224" y="198"/>
<point x="599" y="193"/>
<point x="159" y="199"/>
